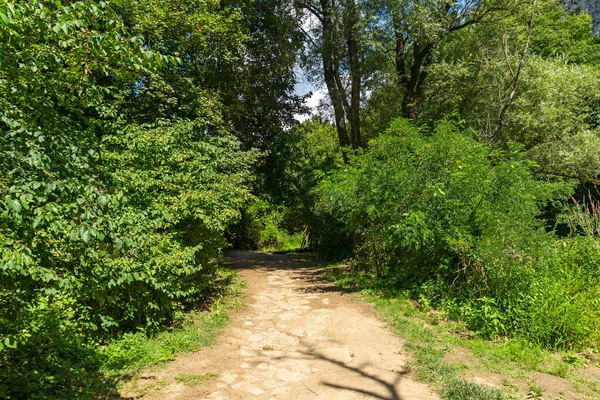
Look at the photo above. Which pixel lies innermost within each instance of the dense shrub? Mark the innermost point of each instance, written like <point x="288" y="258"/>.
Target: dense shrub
<point x="103" y="228"/>
<point x="279" y="220"/>
<point x="420" y="205"/>
<point x="183" y="188"/>
<point x="265" y="226"/>
<point x="458" y="223"/>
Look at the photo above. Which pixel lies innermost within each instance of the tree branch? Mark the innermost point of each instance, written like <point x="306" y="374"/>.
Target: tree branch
<point x="312" y="41"/>
<point x="311" y="9"/>
<point x="513" y="92"/>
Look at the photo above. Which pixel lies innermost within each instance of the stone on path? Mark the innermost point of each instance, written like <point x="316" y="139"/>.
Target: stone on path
<point x="299" y="338"/>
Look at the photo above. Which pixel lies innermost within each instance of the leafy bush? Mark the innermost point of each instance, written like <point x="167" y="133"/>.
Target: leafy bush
<point x="420" y="205"/>
<point x="265" y="226"/>
<point x="183" y="188"/>
<point x="103" y="229"/>
<point x="458" y="224"/>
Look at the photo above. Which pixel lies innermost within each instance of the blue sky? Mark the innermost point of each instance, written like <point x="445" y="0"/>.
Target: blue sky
<point x="303" y="87"/>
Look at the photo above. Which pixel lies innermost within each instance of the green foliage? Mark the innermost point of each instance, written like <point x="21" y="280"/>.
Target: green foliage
<point x="266" y="227"/>
<point x="292" y="167"/>
<point x="559" y="34"/>
<point x="104" y="229"/>
<point x="238" y="55"/>
<point x="54" y="195"/>
<point x="561" y="308"/>
<point x="312" y="150"/>
<point x="300" y="158"/>
<point x="556" y="118"/>
<point x="464" y="390"/>
<point x="131" y="352"/>
<point x="183" y="187"/>
<point x="422" y="205"/>
<point x="457" y="223"/>
<point x="206" y="37"/>
<point x="554" y="114"/>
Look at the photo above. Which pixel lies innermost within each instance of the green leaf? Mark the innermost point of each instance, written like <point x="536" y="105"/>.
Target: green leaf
<point x="4" y="15"/>
<point x="16" y="205"/>
<point x="9" y="344"/>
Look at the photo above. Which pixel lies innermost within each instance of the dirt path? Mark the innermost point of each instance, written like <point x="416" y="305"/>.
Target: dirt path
<point x="299" y="338"/>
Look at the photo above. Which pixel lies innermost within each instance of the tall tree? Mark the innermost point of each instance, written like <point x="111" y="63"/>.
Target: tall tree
<point x="419" y="28"/>
<point x="237" y="57"/>
<point x="336" y="39"/>
<point x="351" y="35"/>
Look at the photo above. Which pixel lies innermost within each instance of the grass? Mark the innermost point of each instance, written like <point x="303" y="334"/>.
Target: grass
<point x="459" y="389"/>
<point x="430" y="344"/>
<point x="194" y="380"/>
<point x="126" y="357"/>
<point x="432" y="338"/>
<point x="285" y="242"/>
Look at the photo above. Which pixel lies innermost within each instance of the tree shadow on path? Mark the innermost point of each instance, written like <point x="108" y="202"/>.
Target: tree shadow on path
<point x="390" y="387"/>
<point x="303" y="270"/>
<point x="367" y="384"/>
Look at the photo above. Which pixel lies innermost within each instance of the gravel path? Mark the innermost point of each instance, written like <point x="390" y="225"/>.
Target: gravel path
<point x="299" y="338"/>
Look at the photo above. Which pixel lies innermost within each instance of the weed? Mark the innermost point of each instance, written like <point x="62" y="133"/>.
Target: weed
<point x="508" y="384"/>
<point x="460" y="389"/>
<point x="576" y="360"/>
<point x="536" y="391"/>
<point x="194" y="379"/>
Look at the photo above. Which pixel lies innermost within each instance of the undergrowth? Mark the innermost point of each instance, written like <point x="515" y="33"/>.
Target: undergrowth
<point x="90" y="370"/>
<point x="432" y="337"/>
<point x="132" y="352"/>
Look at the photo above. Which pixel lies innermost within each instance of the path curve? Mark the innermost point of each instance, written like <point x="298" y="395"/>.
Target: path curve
<point x="299" y="338"/>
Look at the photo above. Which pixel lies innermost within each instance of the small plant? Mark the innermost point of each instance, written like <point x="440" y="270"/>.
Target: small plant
<point x="194" y="379"/>
<point x="460" y="389"/>
<point x="509" y="384"/>
<point x="535" y="391"/>
<point x="434" y="317"/>
<point x="575" y="360"/>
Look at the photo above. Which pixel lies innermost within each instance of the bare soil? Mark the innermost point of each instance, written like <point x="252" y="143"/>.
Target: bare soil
<point x="299" y="337"/>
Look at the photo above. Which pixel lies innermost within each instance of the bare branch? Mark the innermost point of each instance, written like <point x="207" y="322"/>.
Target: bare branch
<point x="513" y="92"/>
<point x="311" y="9"/>
<point x="310" y="39"/>
<point x="505" y="50"/>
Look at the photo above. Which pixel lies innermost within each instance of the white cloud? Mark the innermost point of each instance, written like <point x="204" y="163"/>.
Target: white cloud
<point x="312" y="103"/>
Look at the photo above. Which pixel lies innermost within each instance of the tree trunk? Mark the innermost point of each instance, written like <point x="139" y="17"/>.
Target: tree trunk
<point x="351" y="26"/>
<point x="413" y="85"/>
<point x="330" y="69"/>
